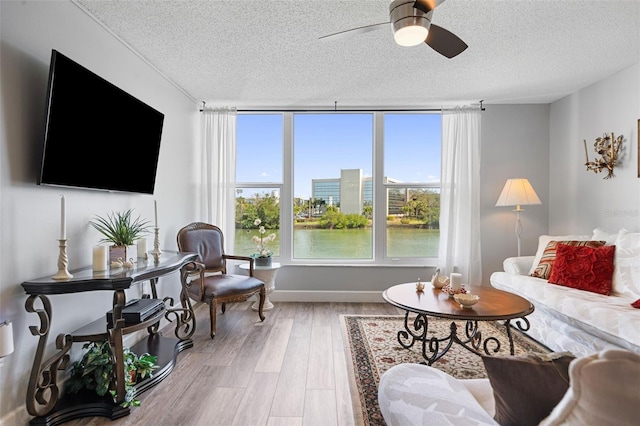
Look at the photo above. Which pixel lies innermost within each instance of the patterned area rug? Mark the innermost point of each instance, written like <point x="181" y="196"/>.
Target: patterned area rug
<point x="374" y="348"/>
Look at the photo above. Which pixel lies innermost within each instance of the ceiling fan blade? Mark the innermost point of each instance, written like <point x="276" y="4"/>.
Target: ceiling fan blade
<point x="427" y="5"/>
<point x="445" y="42"/>
<point x="355" y="31"/>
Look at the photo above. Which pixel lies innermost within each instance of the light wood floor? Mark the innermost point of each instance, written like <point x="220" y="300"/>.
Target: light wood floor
<point x="288" y="370"/>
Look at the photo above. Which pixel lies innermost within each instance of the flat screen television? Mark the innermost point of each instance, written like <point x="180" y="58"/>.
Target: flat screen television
<point x="97" y="136"/>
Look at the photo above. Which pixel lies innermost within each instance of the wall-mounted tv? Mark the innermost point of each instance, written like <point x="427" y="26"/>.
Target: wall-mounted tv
<point x="97" y="136"/>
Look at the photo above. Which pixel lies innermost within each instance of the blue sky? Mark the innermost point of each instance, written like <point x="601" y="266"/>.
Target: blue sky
<point x="327" y="143"/>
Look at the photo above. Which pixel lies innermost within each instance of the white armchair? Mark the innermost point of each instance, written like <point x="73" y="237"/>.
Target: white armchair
<point x="602" y="390"/>
<point x="415" y="394"/>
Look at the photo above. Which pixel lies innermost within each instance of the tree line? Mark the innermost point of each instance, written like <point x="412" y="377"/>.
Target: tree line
<point x="424" y="206"/>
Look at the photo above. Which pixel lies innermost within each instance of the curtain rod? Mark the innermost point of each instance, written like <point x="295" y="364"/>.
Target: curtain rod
<point x="335" y="109"/>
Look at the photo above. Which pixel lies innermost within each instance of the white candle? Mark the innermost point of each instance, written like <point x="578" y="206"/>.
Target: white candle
<point x="142" y="247"/>
<point x="63" y="219"/>
<point x="100" y="258"/>
<point x="586" y="153"/>
<point x="6" y="338"/>
<point x="455" y="280"/>
<point x="155" y="208"/>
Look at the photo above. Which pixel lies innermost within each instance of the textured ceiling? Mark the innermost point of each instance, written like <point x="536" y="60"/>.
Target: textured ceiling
<point x="264" y="54"/>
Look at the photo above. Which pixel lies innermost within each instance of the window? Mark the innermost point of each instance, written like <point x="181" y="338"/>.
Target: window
<point x="333" y="155"/>
<point x="412" y="147"/>
<point x="259" y="180"/>
<point x="340" y="187"/>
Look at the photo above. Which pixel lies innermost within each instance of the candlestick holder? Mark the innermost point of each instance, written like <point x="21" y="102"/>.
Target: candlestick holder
<point x="63" y="262"/>
<point x="156" y="245"/>
<point x="608" y="148"/>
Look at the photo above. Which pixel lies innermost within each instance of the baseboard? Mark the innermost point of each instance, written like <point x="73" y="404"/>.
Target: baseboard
<point x="326" y="296"/>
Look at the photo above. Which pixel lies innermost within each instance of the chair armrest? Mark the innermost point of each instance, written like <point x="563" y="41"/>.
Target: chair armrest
<point x="518" y="265"/>
<point x="246" y="258"/>
<point x="192" y="270"/>
<point x="236" y="257"/>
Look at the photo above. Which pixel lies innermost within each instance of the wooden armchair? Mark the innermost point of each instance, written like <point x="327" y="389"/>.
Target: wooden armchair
<point x="206" y="280"/>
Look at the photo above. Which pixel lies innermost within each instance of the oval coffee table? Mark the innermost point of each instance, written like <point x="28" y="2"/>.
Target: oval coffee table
<point x="494" y="305"/>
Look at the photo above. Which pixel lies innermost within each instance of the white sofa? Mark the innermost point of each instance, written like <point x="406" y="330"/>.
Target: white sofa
<point x="582" y="322"/>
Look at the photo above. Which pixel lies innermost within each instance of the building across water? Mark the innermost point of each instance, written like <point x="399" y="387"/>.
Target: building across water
<point x="351" y="192"/>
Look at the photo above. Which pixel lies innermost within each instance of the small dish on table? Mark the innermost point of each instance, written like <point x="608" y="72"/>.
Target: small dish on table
<point x="465" y="300"/>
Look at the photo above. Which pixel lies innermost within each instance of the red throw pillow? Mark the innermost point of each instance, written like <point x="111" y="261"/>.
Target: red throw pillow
<point x="545" y="266"/>
<point x="584" y="268"/>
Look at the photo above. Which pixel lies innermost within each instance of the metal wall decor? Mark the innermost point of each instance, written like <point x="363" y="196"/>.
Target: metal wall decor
<point x="608" y="147"/>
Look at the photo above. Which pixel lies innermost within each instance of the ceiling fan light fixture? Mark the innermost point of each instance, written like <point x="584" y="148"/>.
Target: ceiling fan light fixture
<point x="410" y="25"/>
<point x="410" y="35"/>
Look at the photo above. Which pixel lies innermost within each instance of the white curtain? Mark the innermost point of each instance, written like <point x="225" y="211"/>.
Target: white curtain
<point x="219" y="170"/>
<point x="459" y="249"/>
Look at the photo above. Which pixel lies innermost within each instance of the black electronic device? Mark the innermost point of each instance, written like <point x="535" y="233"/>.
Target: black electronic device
<point x="138" y="310"/>
<point x="93" y="127"/>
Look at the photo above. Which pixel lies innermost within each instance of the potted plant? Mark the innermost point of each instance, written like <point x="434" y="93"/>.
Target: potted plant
<point x="94" y="371"/>
<point x="263" y="256"/>
<point x="121" y="230"/>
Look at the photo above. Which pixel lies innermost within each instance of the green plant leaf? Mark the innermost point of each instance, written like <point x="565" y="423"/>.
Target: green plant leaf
<point x="120" y="228"/>
<point x="95" y="371"/>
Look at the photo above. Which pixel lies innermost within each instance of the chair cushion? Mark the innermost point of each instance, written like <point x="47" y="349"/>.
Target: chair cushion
<point x="527" y="387"/>
<point x="206" y="240"/>
<point x="226" y="285"/>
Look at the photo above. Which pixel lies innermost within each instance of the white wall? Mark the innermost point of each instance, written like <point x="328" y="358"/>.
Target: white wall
<point x="579" y="200"/>
<point x="30" y="214"/>
<point x="515" y="144"/>
<point x="545" y="144"/>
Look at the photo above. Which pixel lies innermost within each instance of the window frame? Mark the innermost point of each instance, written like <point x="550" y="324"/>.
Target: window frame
<point x="379" y="255"/>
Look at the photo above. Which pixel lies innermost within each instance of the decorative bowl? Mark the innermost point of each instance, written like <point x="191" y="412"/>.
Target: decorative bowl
<point x="440" y="282"/>
<point x="466" y="300"/>
<point x="451" y="292"/>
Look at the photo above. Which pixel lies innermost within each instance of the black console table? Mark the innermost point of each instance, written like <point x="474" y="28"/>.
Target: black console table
<point x="44" y="399"/>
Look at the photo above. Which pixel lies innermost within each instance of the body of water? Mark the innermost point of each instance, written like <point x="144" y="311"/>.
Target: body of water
<point x="349" y="243"/>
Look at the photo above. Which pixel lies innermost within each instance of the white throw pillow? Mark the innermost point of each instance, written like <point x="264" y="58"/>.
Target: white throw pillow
<point x="603" y="391"/>
<point x="543" y="240"/>
<point x="626" y="275"/>
<point x="517" y="265"/>
<point x="600" y="234"/>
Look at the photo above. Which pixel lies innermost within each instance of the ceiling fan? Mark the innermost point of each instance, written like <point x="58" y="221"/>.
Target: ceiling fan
<point x="411" y="23"/>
